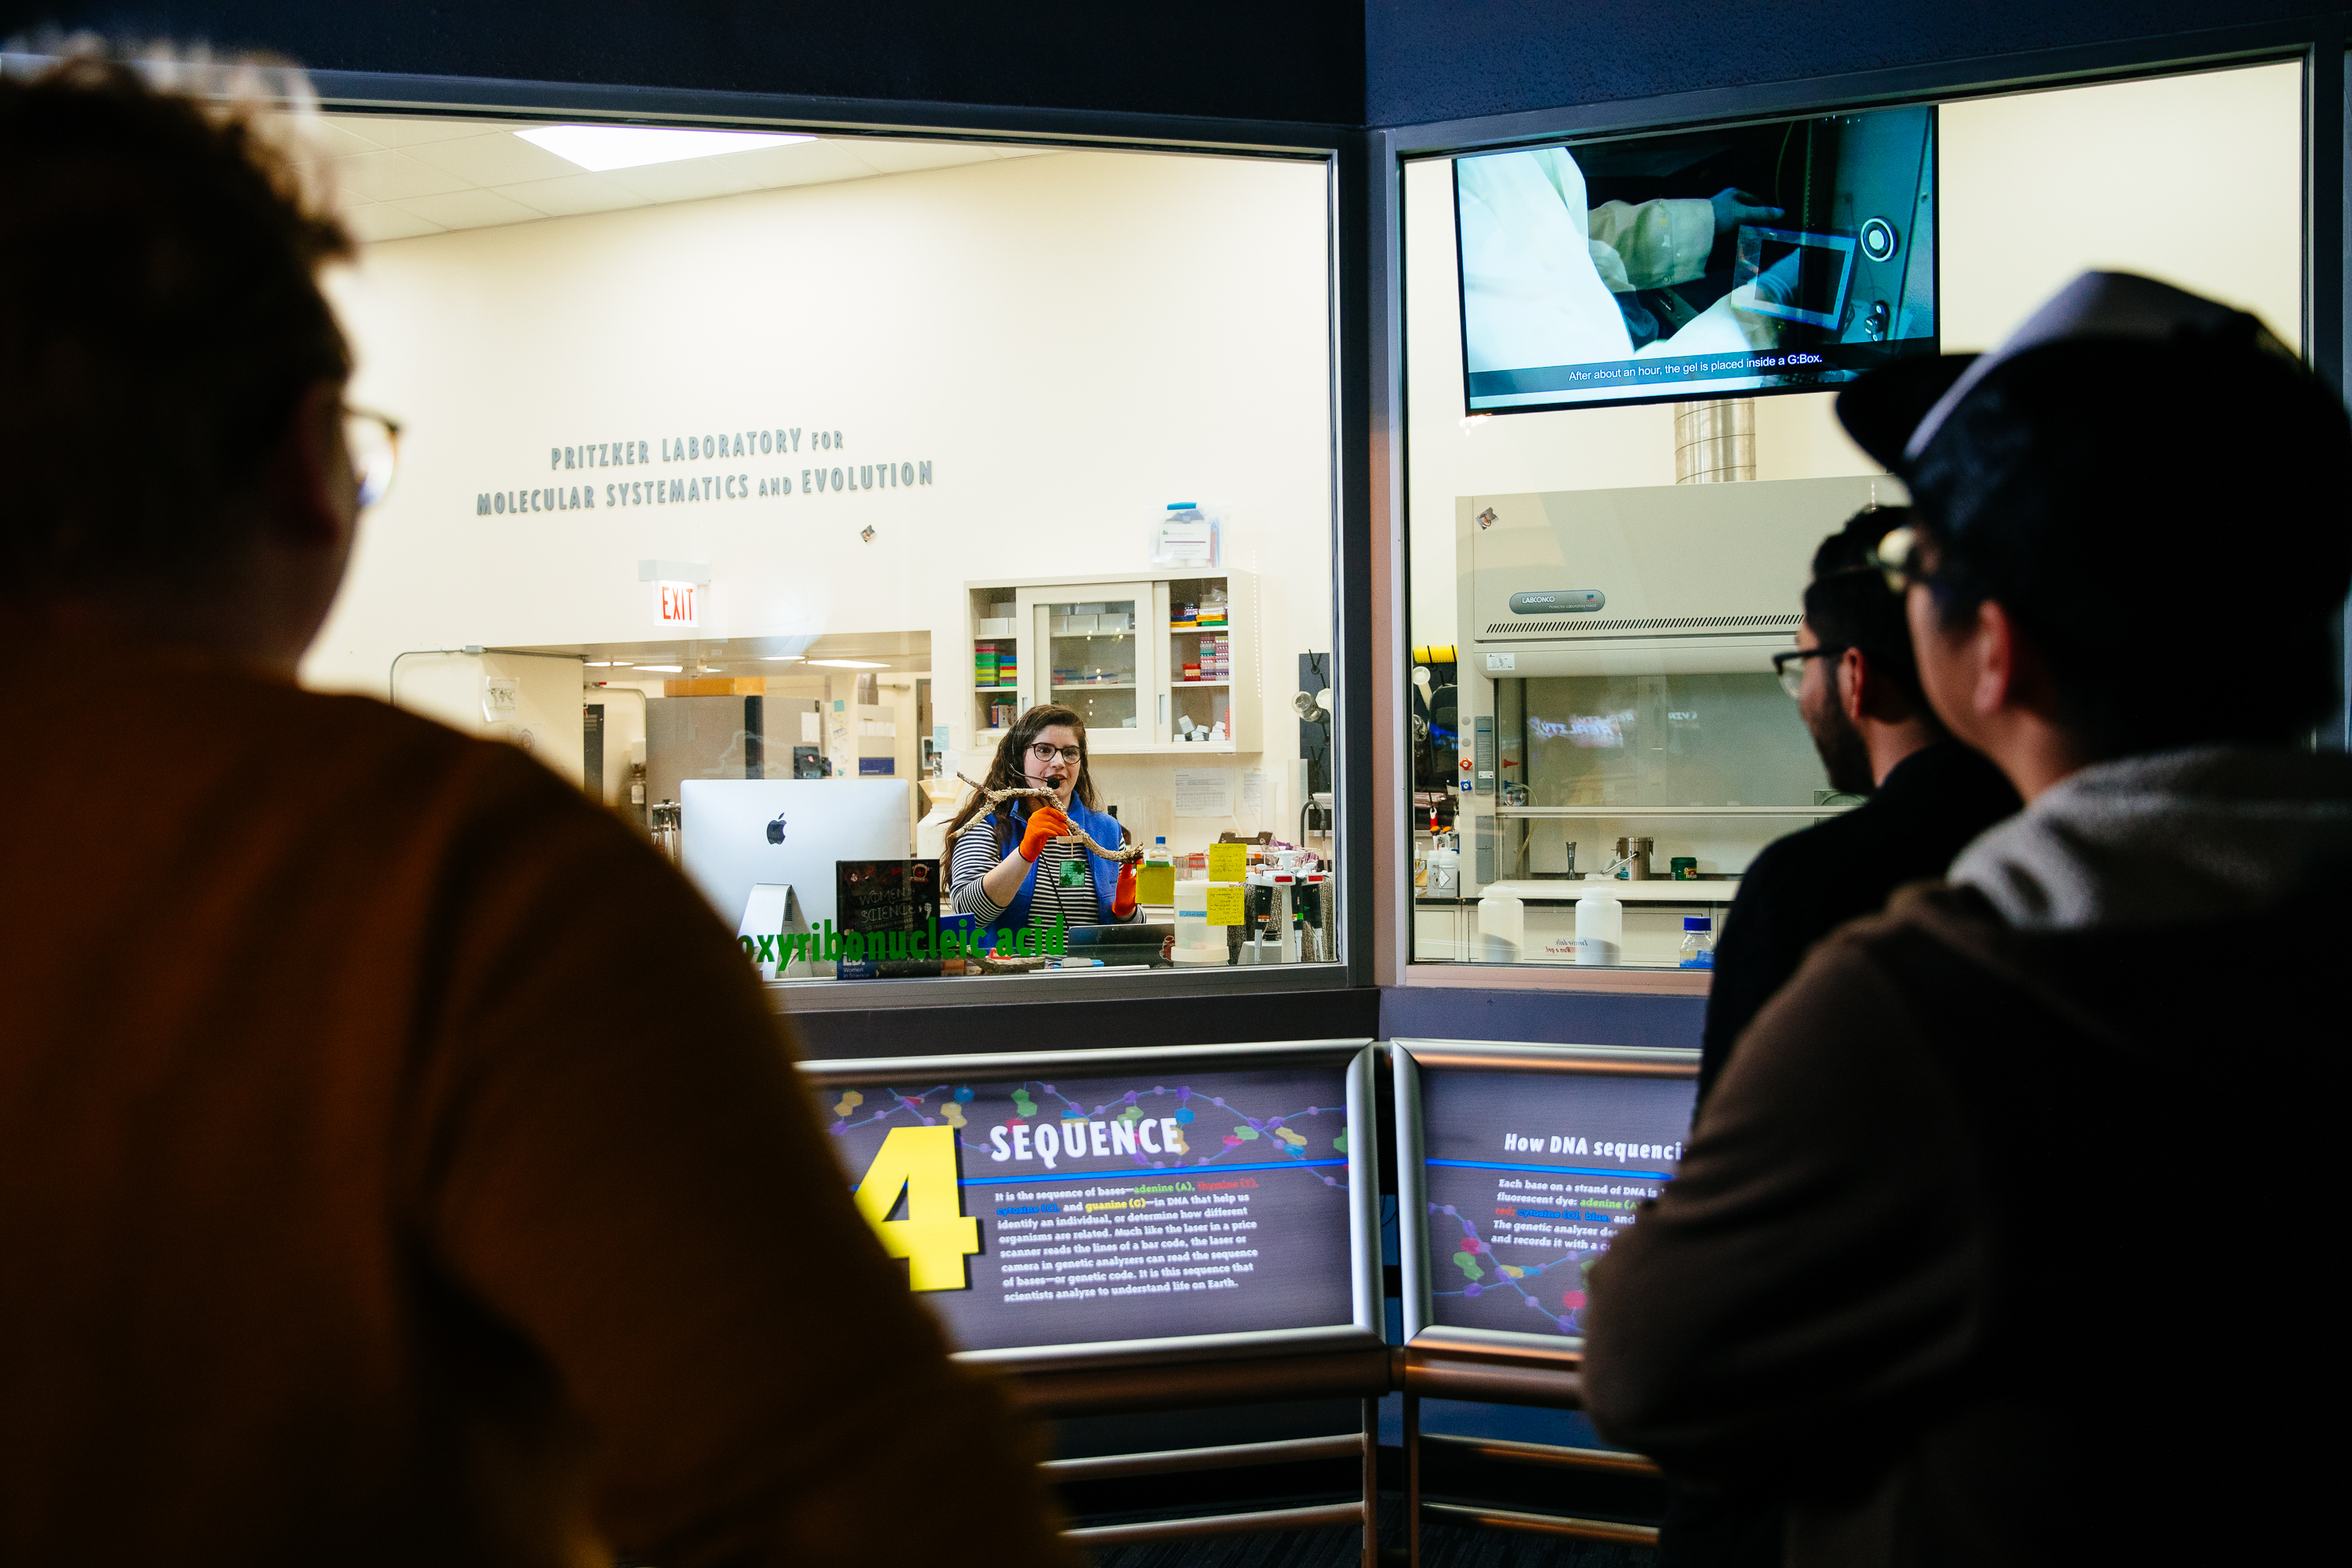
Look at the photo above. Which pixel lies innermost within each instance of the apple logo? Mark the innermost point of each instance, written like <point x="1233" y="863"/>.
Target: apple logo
<point x="776" y="830"/>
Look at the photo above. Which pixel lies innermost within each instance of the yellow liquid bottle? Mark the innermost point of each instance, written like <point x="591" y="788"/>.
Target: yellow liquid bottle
<point x="1155" y="879"/>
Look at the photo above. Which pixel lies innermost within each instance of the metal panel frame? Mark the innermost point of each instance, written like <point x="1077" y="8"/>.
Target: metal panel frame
<point x="1354" y="1056"/>
<point x="1406" y="1061"/>
<point x="929" y="119"/>
<point x="1362" y="1445"/>
<point x="1933" y="81"/>
<point x="1196" y="1527"/>
<point x="1542" y="1524"/>
<point x="1155" y="987"/>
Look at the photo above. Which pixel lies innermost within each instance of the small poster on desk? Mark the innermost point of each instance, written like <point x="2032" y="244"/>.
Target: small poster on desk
<point x="885" y="902"/>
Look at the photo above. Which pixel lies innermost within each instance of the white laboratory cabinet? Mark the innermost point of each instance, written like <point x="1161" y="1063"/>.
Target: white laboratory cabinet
<point x="1143" y="658"/>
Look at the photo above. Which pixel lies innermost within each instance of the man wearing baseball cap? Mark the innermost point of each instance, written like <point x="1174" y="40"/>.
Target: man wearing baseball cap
<point x="1993" y="1242"/>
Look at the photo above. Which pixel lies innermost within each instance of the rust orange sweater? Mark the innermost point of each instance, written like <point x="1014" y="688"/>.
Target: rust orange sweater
<point x="404" y="1167"/>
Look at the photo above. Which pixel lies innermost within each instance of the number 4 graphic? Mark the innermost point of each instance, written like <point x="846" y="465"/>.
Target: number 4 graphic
<point x="935" y="1238"/>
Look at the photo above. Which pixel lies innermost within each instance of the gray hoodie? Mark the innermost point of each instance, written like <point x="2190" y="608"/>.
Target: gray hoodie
<point x="2169" y="838"/>
<point x="2004" y="1180"/>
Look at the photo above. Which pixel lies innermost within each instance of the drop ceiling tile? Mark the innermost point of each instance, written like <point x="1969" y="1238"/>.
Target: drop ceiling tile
<point x="316" y="137"/>
<point x="470" y="209"/>
<point x="574" y="193"/>
<point x="500" y="158"/>
<point x="413" y="130"/>
<point x="797" y="163"/>
<point x="417" y="159"/>
<point x="892" y="157"/>
<point x="689" y="180"/>
<point x="380" y="220"/>
<point x="391" y="177"/>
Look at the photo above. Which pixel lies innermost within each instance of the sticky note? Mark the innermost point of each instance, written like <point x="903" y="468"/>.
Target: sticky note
<point x="1225" y="906"/>
<point x="1228" y="863"/>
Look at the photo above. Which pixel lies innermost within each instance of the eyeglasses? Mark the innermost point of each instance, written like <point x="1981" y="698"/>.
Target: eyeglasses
<point x="373" y="442"/>
<point x="1896" y="556"/>
<point x="1044" y="754"/>
<point x="1789" y="666"/>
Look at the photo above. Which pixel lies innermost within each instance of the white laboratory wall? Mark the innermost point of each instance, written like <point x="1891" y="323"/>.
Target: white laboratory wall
<point x="2197" y="180"/>
<point x="546" y="717"/>
<point x="2193" y="179"/>
<point x="1070" y="340"/>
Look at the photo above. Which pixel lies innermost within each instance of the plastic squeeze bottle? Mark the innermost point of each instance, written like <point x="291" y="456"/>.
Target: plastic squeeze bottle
<point x="1599" y="922"/>
<point x="1444" y="869"/>
<point x="1502" y="927"/>
<point x="1155" y="879"/>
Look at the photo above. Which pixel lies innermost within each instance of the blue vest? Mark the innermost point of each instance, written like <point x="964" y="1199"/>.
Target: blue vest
<point x="1100" y="825"/>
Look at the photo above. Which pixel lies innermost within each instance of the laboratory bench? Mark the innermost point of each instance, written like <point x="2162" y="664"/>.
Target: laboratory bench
<point x="1447" y="928"/>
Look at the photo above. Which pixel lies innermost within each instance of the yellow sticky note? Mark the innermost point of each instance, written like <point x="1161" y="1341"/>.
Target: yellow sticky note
<point x="1225" y="906"/>
<point x="1228" y="863"/>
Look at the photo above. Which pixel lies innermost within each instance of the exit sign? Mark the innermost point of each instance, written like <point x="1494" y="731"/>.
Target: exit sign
<point x="674" y="604"/>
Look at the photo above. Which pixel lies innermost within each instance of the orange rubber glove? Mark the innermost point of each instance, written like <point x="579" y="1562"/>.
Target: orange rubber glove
<point x="1045" y="824"/>
<point x="1122" y="904"/>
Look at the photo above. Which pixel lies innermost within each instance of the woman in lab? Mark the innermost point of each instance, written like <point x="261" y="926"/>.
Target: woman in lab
<point x="1016" y="867"/>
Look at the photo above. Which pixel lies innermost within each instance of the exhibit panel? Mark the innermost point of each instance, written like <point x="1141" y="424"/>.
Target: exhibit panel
<point x="1118" y="1207"/>
<point x="752" y="459"/>
<point x="1621" y="353"/>
<point x="1516" y="1166"/>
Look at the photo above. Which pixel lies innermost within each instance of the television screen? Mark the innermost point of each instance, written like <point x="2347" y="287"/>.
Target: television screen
<point x="1147" y="1196"/>
<point x="1787" y="257"/>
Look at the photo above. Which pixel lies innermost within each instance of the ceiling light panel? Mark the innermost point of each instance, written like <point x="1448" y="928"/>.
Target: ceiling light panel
<point x="598" y="148"/>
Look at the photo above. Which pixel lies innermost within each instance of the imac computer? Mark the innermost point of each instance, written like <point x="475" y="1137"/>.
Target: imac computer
<point x="736" y="835"/>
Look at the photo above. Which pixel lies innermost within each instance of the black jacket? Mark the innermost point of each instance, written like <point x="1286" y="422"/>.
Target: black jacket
<point x="1805" y="886"/>
<point x="1796" y="892"/>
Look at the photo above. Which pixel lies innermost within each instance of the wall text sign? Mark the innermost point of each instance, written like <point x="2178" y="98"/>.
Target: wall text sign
<point x="825" y="469"/>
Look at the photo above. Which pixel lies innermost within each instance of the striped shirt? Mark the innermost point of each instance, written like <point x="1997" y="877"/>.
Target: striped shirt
<point x="976" y="854"/>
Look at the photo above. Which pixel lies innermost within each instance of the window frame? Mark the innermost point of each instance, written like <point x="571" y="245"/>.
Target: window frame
<point x="1341" y="153"/>
<point x="2317" y="43"/>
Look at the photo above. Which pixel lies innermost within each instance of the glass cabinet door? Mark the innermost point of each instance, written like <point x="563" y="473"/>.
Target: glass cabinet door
<point x="1096" y="659"/>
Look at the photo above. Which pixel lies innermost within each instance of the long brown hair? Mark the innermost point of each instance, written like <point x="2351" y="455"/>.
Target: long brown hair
<point x="1007" y="773"/>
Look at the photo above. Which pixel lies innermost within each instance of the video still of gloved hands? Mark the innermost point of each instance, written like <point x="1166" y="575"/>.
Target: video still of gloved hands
<point x="1774" y="258"/>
